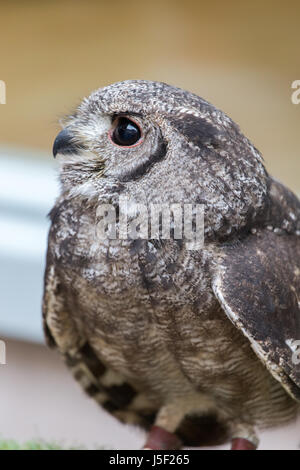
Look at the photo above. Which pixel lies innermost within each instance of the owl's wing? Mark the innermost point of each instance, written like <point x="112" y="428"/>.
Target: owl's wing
<point x="257" y="284"/>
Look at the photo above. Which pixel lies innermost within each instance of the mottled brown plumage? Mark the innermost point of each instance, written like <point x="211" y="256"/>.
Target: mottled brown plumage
<point x="196" y="341"/>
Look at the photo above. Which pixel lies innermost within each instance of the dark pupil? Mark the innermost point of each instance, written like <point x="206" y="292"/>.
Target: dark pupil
<point x="126" y="132"/>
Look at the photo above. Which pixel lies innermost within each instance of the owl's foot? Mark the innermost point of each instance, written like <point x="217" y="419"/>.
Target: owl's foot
<point x="244" y="437"/>
<point x="160" y="439"/>
<point x="239" y="443"/>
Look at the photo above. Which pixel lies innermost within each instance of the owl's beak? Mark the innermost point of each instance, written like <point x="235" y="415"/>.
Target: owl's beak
<point x="65" y="144"/>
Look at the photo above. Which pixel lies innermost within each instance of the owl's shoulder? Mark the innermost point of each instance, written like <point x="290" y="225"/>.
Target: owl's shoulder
<point x="284" y="209"/>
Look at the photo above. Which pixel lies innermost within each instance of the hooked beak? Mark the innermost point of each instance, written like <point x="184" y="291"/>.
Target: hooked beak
<point x="65" y="144"/>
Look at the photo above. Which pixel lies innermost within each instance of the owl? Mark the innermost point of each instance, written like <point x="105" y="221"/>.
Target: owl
<point x="196" y="346"/>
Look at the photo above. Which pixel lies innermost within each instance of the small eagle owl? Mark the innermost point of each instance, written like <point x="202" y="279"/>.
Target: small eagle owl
<point x="197" y="346"/>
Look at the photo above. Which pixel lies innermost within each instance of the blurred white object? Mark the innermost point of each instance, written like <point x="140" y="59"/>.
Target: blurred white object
<point x="28" y="188"/>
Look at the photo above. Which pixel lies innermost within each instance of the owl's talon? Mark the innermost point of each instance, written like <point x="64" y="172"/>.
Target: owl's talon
<point x="160" y="439"/>
<point x="239" y="443"/>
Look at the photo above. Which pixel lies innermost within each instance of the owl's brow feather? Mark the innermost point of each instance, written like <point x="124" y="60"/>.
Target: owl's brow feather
<point x="197" y="130"/>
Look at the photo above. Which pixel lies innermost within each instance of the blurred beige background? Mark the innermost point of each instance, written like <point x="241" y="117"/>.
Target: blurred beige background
<point x="240" y="55"/>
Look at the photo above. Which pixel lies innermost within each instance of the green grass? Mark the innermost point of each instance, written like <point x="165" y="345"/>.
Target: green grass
<point x="30" y="445"/>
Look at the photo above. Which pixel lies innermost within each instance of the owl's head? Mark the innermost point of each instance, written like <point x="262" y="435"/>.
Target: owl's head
<point x="157" y="143"/>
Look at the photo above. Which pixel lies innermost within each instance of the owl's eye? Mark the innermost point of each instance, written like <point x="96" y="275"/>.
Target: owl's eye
<point x="125" y="133"/>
